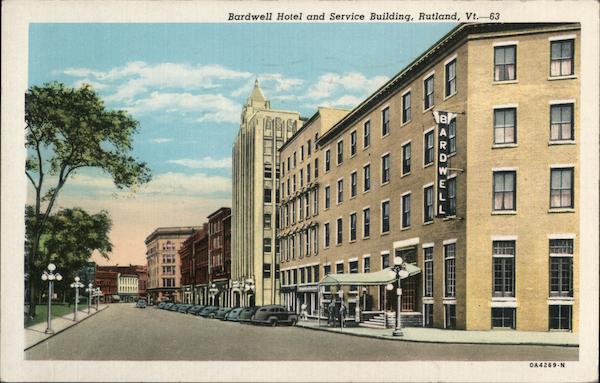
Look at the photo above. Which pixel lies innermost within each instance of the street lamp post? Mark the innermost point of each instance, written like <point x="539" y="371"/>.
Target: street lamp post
<point x="90" y="291"/>
<point x="50" y="276"/>
<point x="400" y="270"/>
<point x="76" y="285"/>
<point x="213" y="292"/>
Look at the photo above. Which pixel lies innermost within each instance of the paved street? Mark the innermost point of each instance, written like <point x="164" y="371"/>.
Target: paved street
<point x="123" y="332"/>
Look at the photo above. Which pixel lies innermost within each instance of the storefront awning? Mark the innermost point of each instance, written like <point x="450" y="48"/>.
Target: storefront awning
<point x="382" y="277"/>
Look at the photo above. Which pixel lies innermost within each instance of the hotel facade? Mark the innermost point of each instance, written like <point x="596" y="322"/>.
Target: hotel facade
<point x="254" y="248"/>
<point x="500" y="247"/>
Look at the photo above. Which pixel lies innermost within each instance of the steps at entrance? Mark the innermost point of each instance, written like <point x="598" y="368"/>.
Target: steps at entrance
<point x="408" y="319"/>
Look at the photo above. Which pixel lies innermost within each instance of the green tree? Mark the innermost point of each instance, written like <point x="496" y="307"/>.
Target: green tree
<point x="68" y="129"/>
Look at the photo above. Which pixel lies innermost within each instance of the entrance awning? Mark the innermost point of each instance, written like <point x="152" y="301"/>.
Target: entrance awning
<point x="382" y="277"/>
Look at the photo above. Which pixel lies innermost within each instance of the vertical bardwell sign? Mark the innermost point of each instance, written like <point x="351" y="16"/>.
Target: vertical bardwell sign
<point x="443" y="119"/>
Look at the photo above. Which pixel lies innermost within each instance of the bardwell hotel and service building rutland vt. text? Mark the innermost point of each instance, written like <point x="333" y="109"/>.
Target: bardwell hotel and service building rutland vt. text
<point x="352" y="16"/>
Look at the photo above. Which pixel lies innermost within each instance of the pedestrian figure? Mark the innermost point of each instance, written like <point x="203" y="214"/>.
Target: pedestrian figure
<point x="303" y="313"/>
<point x="342" y="314"/>
<point x="331" y="313"/>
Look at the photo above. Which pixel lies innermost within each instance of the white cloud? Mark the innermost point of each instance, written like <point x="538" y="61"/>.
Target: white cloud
<point x="161" y="140"/>
<point x="204" y="163"/>
<point x="95" y="84"/>
<point x="209" y="107"/>
<point x="329" y="83"/>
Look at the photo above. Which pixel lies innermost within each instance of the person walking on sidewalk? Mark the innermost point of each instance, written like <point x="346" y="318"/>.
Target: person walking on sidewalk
<point x="342" y="314"/>
<point x="331" y="313"/>
<point x="303" y="313"/>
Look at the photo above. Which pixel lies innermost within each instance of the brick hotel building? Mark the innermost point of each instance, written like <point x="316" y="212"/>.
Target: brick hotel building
<point x="360" y="190"/>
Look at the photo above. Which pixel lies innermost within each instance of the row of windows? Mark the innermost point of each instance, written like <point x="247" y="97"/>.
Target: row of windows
<point x="302" y="176"/>
<point x="291" y="160"/>
<point x="168" y="282"/>
<point x="303" y="243"/>
<point x="304" y="205"/>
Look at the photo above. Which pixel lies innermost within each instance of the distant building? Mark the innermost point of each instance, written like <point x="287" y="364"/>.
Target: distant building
<point x="219" y="257"/>
<point x="163" y="263"/>
<point x="108" y="282"/>
<point x="127" y="287"/>
<point x="193" y="258"/>
<point x="254" y="262"/>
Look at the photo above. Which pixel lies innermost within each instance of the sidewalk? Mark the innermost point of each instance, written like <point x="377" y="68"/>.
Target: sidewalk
<point x="36" y="334"/>
<point x="434" y="335"/>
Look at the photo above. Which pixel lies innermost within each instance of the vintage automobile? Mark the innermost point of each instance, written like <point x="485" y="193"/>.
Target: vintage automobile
<point x="234" y="314"/>
<point x="183" y="308"/>
<point x="208" y="311"/>
<point x="247" y="313"/>
<point x="168" y="306"/>
<point x="274" y="315"/>
<point x="195" y="309"/>
<point x="220" y="313"/>
<point x="141" y="303"/>
<point x="161" y="305"/>
<point x="174" y="307"/>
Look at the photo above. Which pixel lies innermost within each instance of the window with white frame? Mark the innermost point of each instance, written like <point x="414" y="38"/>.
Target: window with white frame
<point x="366" y="222"/>
<point x="316" y="168"/>
<point x="503" y="255"/>
<point x="450" y="316"/>
<point x="452" y="137"/>
<point x="451" y="184"/>
<point x="307" y="242"/>
<point x="316" y="201"/>
<point x="406" y="211"/>
<point x="327" y="160"/>
<point x="366" y="265"/>
<point x="385" y="216"/>
<point x="339" y="228"/>
<point x="340" y="152"/>
<point x="339" y="268"/>
<point x="307" y="204"/>
<point x="561" y="58"/>
<point x="385" y="260"/>
<point x="560" y="317"/>
<point x="352" y="227"/>
<point x="326" y="235"/>
<point x="428" y="93"/>
<point x="406" y="156"/>
<point x="505" y="63"/>
<point x="353" y="184"/>
<point x="428" y="204"/>
<point x="353" y="143"/>
<point x="450" y="270"/>
<point x="561" y="122"/>
<point x="504" y="317"/>
<point x="505" y="126"/>
<point x="366" y="134"/>
<point x="561" y="267"/>
<point x="340" y="191"/>
<point x="428" y="272"/>
<point x="561" y="188"/>
<point x="327" y="197"/>
<point x="428" y="143"/>
<point x="367" y="177"/>
<point x="315" y="237"/>
<point x="450" y="86"/>
<point x="385" y="168"/>
<point x="505" y="190"/>
<point x="385" y="122"/>
<point x="406" y="108"/>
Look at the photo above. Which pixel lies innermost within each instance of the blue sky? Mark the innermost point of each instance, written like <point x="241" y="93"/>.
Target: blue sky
<point x="186" y="84"/>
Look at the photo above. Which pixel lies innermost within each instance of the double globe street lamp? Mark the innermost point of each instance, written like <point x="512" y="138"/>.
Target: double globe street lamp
<point x="97" y="293"/>
<point x="76" y="285"/>
<point x="90" y="291"/>
<point x="50" y="276"/>
<point x="400" y="269"/>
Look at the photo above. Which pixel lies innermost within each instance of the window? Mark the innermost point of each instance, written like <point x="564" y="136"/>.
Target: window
<point x="267" y="196"/>
<point x="385" y="216"/>
<point x="352" y="227"/>
<point x="561" y="122"/>
<point x="406" y="154"/>
<point x="326" y="235"/>
<point x="385" y="260"/>
<point x="316" y="272"/>
<point x="505" y="196"/>
<point x="505" y="59"/>
<point x="268" y="172"/>
<point x="561" y="188"/>
<point x="503" y="317"/>
<point x="308" y="148"/>
<point x="301" y="245"/>
<point x="267" y="245"/>
<point x="340" y="152"/>
<point x="428" y="148"/>
<point x="406" y="108"/>
<point x="560" y="317"/>
<point x="561" y="267"/>
<point x="307" y="242"/>
<point x="366" y="223"/>
<point x="294" y="155"/>
<point x="315" y="236"/>
<point x="428" y="278"/>
<point x="307" y="173"/>
<point x="307" y="204"/>
<point x="267" y="221"/>
<point x="449" y="270"/>
<point x="316" y="201"/>
<point x="385" y="122"/>
<point x="327" y="269"/>
<point x="294" y="211"/>
<point x="428" y="93"/>
<point x="366" y="265"/>
<point x="428" y="204"/>
<point x="450" y="78"/>
<point x="301" y="176"/>
<point x="266" y="270"/>
<point x="339" y="238"/>
<point x="428" y="314"/>
<point x="339" y="268"/>
<point x="327" y="197"/>
<point x="294" y="182"/>
<point x="503" y="254"/>
<point x="301" y="208"/>
<point x="366" y="178"/>
<point x="353" y="143"/>
<point x="451" y="196"/>
<point x="366" y="134"/>
<point x="340" y="191"/>
<point x="406" y="211"/>
<point x="385" y="169"/>
<point x="452" y="137"/>
<point x="288" y="164"/>
<point x="293" y="245"/>
<point x="327" y="160"/>
<point x="561" y="58"/>
<point x="505" y="126"/>
<point x="316" y="168"/>
<point x="353" y="184"/>
<point x="288" y="187"/>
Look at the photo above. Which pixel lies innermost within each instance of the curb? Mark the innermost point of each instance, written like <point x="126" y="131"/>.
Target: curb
<point x="389" y="338"/>
<point x="66" y="328"/>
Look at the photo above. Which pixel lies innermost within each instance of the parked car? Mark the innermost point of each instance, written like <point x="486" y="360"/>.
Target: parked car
<point x="195" y="309"/>
<point x="141" y="304"/>
<point x="274" y="315"/>
<point x="183" y="308"/>
<point x="234" y="314"/>
<point x="208" y="311"/>
<point x="247" y="313"/>
<point x="220" y="313"/>
<point x="161" y="305"/>
<point x="168" y="306"/>
<point x="174" y="307"/>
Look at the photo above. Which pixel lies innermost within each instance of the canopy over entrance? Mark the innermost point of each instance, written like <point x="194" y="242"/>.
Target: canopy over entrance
<point x="382" y="277"/>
